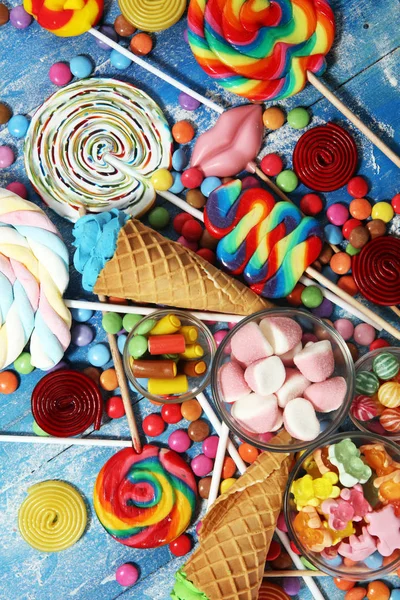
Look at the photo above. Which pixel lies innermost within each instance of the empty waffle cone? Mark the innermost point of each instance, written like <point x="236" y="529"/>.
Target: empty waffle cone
<point x="237" y="531"/>
<point x="147" y="267"/>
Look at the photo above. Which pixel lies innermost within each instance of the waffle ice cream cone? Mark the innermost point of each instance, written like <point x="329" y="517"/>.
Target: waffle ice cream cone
<point x="237" y="531"/>
<point x="147" y="267"/>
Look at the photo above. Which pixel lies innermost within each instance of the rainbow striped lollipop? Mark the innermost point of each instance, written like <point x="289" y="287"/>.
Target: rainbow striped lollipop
<point x="259" y="49"/>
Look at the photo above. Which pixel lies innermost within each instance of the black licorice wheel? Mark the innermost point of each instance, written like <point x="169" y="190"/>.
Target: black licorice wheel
<point x="325" y="158"/>
<point x="65" y="403"/>
<point x="376" y="271"/>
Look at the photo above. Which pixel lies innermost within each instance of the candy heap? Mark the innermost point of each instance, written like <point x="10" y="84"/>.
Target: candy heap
<point x="261" y="51"/>
<point x="94" y="145"/>
<point x="271" y="380"/>
<point x="33" y="277"/>
<point x="270" y="243"/>
<point x="377" y="400"/>
<point x="166" y="356"/>
<point x="345" y="510"/>
<point x="145" y="500"/>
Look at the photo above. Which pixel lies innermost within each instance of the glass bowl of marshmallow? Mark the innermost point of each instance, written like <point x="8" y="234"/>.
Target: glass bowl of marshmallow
<point x="283" y="370"/>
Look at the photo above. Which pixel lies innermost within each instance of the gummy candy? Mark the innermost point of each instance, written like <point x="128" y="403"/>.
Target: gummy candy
<point x="378" y="459"/>
<point x="346" y="457"/>
<point x="338" y="536"/>
<point x="355" y="497"/>
<point x="359" y="547"/>
<point x="389" y="490"/>
<point x="339" y="513"/>
<point x="310" y="492"/>
<point x="386" y="527"/>
<point x="310" y="530"/>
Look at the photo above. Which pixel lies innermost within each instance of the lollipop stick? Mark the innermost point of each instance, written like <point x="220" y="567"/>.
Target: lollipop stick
<point x="58" y="441"/>
<point x="218" y="464"/>
<point x="157" y="72"/>
<point x="293" y="573"/>
<point x="317" y="83"/>
<point x="121" y="377"/>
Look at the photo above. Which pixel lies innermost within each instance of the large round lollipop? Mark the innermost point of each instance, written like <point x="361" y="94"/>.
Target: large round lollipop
<point x="33" y="277"/>
<point x="261" y="49"/>
<point x="94" y="145"/>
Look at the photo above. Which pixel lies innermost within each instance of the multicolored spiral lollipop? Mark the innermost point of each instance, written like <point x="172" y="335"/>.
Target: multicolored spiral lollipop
<point x="261" y="50"/>
<point x="145" y="500"/>
<point x="94" y="144"/>
<point x="271" y="244"/>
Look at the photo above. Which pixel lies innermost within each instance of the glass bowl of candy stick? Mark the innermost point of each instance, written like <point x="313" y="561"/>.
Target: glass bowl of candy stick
<point x="283" y="369"/>
<point x="168" y="356"/>
<point x="342" y="506"/>
<point x="376" y="403"/>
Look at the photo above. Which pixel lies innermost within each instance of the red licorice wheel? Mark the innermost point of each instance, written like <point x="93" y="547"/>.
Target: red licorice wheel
<point x="325" y="158"/>
<point x="65" y="403"/>
<point x="376" y="271"/>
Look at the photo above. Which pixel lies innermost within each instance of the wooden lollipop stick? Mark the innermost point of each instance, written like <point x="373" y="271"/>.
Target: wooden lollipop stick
<point x="123" y="385"/>
<point x="326" y="92"/>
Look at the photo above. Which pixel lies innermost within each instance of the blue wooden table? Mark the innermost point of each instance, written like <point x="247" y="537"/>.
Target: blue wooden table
<point x="364" y="69"/>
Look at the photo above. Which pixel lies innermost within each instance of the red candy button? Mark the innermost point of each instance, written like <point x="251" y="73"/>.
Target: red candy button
<point x="65" y="403"/>
<point x="171" y="413"/>
<point x="274" y="550"/>
<point x="153" y="425"/>
<point x="181" y="546"/>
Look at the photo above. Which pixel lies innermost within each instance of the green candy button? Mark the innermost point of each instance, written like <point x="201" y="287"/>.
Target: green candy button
<point x="137" y="346"/>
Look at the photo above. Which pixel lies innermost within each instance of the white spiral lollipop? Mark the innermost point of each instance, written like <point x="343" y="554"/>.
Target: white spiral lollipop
<point x="33" y="277"/>
<point x="94" y="145"/>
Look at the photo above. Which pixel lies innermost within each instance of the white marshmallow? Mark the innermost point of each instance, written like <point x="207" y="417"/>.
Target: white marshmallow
<point x="282" y="333"/>
<point x="249" y="344"/>
<point x="288" y="357"/>
<point x="316" y="362"/>
<point x="300" y="420"/>
<point x="327" y="395"/>
<point x="256" y="413"/>
<point x="232" y="382"/>
<point x="294" y="386"/>
<point x="279" y="421"/>
<point x="265" y="376"/>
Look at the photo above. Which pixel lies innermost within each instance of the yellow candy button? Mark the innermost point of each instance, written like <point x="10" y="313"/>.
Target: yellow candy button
<point x="226" y="484"/>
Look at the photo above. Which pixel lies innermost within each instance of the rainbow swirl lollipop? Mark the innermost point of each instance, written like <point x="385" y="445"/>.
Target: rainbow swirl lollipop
<point x="94" y="144"/>
<point x="261" y="49"/>
<point x="271" y="244"/>
<point x="145" y="500"/>
<point x="65" y="18"/>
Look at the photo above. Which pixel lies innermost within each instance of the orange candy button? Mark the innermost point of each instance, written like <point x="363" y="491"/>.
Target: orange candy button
<point x="183" y="132"/>
<point x="108" y="380"/>
<point x="248" y="453"/>
<point x="377" y="590"/>
<point x="357" y="593"/>
<point x="360" y="209"/>
<point x="342" y="584"/>
<point x="340" y="263"/>
<point x="348" y="284"/>
<point x="191" y="410"/>
<point x="8" y="382"/>
<point x="228" y="468"/>
<point x="141" y="44"/>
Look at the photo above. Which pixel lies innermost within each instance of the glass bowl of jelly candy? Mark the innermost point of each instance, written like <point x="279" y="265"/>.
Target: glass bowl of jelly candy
<point x="342" y="506"/>
<point x="283" y="370"/>
<point x="168" y="356"/>
<point x="376" y="403"/>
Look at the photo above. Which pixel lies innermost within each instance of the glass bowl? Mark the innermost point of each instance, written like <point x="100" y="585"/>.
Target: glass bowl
<point x="353" y="571"/>
<point x="373" y="425"/>
<point x="343" y="367"/>
<point x="195" y="384"/>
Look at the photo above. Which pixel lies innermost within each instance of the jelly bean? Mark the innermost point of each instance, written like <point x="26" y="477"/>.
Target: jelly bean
<point x="191" y="410"/>
<point x="337" y="214"/>
<point x="23" y="364"/>
<point x="188" y="102"/>
<point x="396" y="203"/>
<point x="292" y="585"/>
<point x="333" y="234"/>
<point x="171" y="413"/>
<point x="81" y="335"/>
<point x="209" y="184"/>
<point x="274" y="550"/>
<point x="359" y="237"/>
<point x="357" y="593"/>
<point x="357" y="187"/>
<point x="81" y="314"/>
<point x="159" y="217"/>
<point x="345" y="327"/>
<point x="192" y="178"/>
<point x="311" y="204"/>
<point x="93" y="373"/>
<point x="137" y="346"/>
<point x="127" y="574"/>
<point x="198" y="430"/>
<point x="204" y="487"/>
<point x="374" y="561"/>
<point x="119" y="61"/>
<point x="324" y="310"/>
<point x="377" y="590"/>
<point x="182" y="131"/>
<point x="273" y="118"/>
<point x="123" y="27"/>
<point x="340" y="263"/>
<point x="130" y="321"/>
<point x="60" y="74"/>
<point x="18" y="188"/>
<point x="141" y="44"/>
<point x="179" y="441"/>
<point x="248" y="452"/>
<point x="19" y="18"/>
<point x="8" y="382"/>
<point x="179" y="159"/>
<point x="298" y="118"/>
<point x="311" y="296"/>
<point x="18" y="126"/>
<point x="349" y="226"/>
<point x="115" y="407"/>
<point x="210" y="445"/>
<point x="162" y="180"/>
<point x="109" y="380"/>
<point x="195" y="198"/>
<point x="81" y="66"/>
<point x="360" y="209"/>
<point x="228" y="468"/>
<point x="153" y="425"/>
<point x="202" y="465"/>
<point x="7" y="157"/>
<point x="347" y="283"/>
<point x="181" y="546"/>
<point x="192" y="231"/>
<point x="383" y="211"/>
<point x="99" y="355"/>
<point x="5" y="114"/>
<point x="271" y="165"/>
<point x="4" y="14"/>
<point x="343" y="584"/>
<point x="111" y="322"/>
<point x="364" y="334"/>
<point x="351" y="251"/>
<point x="287" y="181"/>
<point x="177" y="186"/>
<point x="226" y="484"/>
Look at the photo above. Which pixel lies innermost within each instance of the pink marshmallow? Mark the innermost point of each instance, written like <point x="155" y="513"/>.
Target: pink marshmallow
<point x="279" y="421"/>
<point x="282" y="333"/>
<point x="265" y="376"/>
<point x="327" y="395"/>
<point x="300" y="420"/>
<point x="316" y="362"/>
<point x="288" y="357"/>
<point x="249" y="344"/>
<point x="294" y="386"/>
<point x="256" y="413"/>
<point x="232" y="382"/>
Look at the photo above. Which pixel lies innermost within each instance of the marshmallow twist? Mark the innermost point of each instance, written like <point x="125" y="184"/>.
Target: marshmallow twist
<point x="33" y="277"/>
